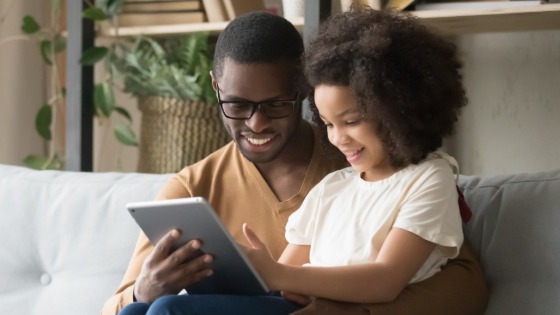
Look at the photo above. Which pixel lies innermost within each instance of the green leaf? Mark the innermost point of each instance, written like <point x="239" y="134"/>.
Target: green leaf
<point x="115" y="6"/>
<point x="95" y="14"/>
<point x="103" y="98"/>
<point x="125" y="135"/>
<point x="93" y="55"/>
<point x="35" y="162"/>
<point x="111" y="7"/>
<point x="45" y="47"/>
<point x="59" y="43"/>
<point x="41" y="162"/>
<point x="123" y="113"/>
<point x="43" y="121"/>
<point x="30" y="25"/>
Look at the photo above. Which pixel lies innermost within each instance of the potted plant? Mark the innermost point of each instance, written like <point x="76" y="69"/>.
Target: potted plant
<point x="170" y="77"/>
<point x="180" y="117"/>
<point x="50" y="116"/>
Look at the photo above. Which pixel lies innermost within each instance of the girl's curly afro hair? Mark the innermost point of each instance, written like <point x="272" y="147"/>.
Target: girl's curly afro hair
<point x="404" y="77"/>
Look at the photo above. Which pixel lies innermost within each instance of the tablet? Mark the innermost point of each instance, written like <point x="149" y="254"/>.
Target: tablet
<point x="233" y="272"/>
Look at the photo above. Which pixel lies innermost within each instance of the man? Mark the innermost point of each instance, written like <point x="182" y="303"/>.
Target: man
<point x="264" y="174"/>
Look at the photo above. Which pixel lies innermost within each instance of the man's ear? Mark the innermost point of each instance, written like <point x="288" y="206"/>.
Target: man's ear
<point x="214" y="82"/>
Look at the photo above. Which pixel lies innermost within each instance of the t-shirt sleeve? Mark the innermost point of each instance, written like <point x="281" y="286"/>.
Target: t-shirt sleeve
<point x="431" y="210"/>
<point x="176" y="187"/>
<point x="301" y="223"/>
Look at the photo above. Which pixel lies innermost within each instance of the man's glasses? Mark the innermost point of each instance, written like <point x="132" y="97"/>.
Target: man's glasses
<point x="242" y="110"/>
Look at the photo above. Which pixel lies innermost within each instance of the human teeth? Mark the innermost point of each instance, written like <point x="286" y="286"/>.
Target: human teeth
<point x="258" y="141"/>
<point x="352" y="153"/>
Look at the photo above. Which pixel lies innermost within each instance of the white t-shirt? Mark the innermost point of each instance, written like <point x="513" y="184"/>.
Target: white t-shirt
<point x="345" y="219"/>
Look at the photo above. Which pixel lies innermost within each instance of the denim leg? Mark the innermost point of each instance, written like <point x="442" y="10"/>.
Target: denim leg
<point x="221" y="305"/>
<point x="136" y="308"/>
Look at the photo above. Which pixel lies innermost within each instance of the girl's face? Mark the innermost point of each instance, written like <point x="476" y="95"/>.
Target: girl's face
<point x="351" y="133"/>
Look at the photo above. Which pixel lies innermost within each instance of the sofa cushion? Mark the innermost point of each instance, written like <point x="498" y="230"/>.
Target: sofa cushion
<point x="515" y="230"/>
<point x="66" y="237"/>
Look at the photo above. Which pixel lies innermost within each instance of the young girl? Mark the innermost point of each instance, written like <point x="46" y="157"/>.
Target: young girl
<point x="386" y="92"/>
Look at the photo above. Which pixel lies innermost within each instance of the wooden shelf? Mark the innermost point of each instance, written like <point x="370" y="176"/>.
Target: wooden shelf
<point x="505" y="19"/>
<point x="176" y="29"/>
<point x="448" y="22"/>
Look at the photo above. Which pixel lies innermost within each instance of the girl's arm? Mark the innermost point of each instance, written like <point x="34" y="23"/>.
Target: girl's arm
<point x="401" y="256"/>
<point x="297" y="255"/>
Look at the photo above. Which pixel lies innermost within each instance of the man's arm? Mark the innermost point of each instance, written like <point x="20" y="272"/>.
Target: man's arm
<point x="124" y="294"/>
<point x="459" y="289"/>
<point x="147" y="265"/>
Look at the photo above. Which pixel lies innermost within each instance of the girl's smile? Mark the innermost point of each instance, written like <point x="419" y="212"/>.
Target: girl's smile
<point x="352" y="133"/>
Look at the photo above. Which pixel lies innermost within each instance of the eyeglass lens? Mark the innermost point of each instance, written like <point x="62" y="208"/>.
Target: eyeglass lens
<point x="275" y="109"/>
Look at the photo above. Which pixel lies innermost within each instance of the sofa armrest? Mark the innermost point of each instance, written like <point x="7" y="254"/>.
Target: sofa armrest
<point x="515" y="231"/>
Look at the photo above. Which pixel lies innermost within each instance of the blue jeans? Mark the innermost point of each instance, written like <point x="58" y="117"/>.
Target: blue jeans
<point x="202" y="304"/>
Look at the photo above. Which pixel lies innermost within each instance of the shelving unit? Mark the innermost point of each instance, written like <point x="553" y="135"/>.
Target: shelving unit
<point x="175" y="29"/>
<point x="449" y="22"/>
<point x="506" y="19"/>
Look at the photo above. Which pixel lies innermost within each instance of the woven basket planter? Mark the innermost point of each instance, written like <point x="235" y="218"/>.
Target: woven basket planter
<point x="176" y="133"/>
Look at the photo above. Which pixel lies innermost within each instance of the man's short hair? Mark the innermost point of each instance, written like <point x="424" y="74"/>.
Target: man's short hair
<point x="258" y="37"/>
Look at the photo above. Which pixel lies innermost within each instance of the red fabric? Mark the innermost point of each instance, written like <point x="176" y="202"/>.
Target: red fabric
<point x="464" y="209"/>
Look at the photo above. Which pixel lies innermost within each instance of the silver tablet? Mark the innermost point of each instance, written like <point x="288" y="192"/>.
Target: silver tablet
<point x="233" y="272"/>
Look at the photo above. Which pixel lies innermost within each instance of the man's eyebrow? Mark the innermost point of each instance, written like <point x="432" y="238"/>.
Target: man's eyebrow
<point x="233" y="98"/>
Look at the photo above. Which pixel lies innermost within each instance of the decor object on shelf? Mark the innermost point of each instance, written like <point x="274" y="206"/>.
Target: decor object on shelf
<point x="215" y="10"/>
<point x="161" y="12"/>
<point x="235" y="8"/>
<point x="292" y="9"/>
<point x="180" y="118"/>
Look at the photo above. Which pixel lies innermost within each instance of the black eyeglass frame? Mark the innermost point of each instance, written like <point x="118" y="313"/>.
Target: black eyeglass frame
<point x="256" y="106"/>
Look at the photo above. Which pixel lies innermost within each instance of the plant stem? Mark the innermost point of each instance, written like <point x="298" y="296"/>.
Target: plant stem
<point x="54" y="86"/>
<point x="13" y="39"/>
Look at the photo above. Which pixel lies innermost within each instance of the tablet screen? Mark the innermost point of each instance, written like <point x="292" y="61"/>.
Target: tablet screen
<point x="233" y="272"/>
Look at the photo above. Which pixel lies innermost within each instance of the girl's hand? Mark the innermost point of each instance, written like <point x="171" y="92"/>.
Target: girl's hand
<point x="300" y="299"/>
<point x="261" y="258"/>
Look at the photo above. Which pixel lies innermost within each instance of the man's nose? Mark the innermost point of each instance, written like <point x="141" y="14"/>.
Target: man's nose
<point x="258" y="122"/>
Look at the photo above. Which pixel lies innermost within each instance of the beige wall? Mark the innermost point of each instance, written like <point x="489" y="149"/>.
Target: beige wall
<point x="22" y="87"/>
<point x="512" y="123"/>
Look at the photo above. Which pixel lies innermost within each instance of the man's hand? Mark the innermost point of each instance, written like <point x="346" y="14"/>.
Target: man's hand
<point x="297" y="298"/>
<point x="329" y="307"/>
<point x="168" y="272"/>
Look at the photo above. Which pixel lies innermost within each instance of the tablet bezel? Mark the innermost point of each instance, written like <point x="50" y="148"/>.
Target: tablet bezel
<point x="195" y="217"/>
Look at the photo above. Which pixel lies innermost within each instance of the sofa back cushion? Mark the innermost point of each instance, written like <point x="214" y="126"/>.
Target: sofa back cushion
<point x="66" y="237"/>
<point x="516" y="231"/>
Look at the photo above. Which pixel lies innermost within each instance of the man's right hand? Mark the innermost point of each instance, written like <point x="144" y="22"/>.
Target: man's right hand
<point x="168" y="272"/>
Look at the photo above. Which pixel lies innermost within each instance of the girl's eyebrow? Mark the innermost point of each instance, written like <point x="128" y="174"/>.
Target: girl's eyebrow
<point x="343" y="113"/>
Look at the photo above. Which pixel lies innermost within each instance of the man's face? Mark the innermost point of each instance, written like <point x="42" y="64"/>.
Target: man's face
<point x="259" y="138"/>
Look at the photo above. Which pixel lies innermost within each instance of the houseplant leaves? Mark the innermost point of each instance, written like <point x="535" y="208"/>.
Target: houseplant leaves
<point x="30" y="25"/>
<point x="43" y="122"/>
<point x="125" y="135"/>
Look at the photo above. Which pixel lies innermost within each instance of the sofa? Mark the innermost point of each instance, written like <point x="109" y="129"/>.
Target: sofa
<point x="67" y="238"/>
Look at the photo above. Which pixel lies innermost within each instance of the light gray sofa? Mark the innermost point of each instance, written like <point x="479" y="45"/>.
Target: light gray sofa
<point x="67" y="238"/>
